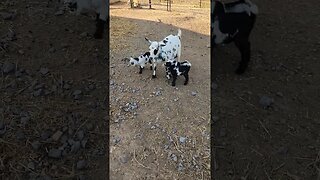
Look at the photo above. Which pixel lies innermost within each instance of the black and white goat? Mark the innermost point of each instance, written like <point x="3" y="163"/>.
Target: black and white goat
<point x="175" y="69"/>
<point x="168" y="48"/>
<point x="141" y="61"/>
<point x="99" y="7"/>
<point x="233" y="22"/>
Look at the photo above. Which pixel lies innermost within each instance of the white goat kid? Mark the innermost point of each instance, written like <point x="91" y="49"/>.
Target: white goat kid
<point x="168" y="48"/>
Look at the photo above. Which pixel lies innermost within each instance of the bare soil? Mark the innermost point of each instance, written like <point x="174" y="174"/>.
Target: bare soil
<point x="280" y="141"/>
<point x="53" y="93"/>
<point x="158" y="131"/>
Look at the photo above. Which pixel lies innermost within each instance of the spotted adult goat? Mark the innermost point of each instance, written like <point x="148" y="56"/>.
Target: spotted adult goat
<point x="233" y="22"/>
<point x="168" y="48"/>
<point x="99" y="7"/>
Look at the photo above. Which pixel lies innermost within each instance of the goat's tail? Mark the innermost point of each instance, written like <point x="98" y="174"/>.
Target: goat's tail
<point x="179" y="33"/>
<point x="253" y="8"/>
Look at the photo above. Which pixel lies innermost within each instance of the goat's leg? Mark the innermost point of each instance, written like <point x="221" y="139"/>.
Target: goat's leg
<point x="141" y="68"/>
<point x="100" y="24"/>
<point x="244" y="47"/>
<point x="174" y="78"/>
<point x="186" y="75"/>
<point x="154" y="70"/>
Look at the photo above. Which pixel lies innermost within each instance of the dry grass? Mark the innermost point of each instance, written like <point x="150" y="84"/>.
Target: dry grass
<point x="119" y="30"/>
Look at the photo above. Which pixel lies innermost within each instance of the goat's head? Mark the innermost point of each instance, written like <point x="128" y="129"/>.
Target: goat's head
<point x="133" y="61"/>
<point x="154" y="47"/>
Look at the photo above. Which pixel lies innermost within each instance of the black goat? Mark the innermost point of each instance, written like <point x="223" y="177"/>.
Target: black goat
<point x="233" y="22"/>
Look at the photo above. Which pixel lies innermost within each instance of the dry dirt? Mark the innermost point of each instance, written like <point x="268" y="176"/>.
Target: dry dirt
<point x="158" y="131"/>
<point x="53" y="94"/>
<point x="283" y="140"/>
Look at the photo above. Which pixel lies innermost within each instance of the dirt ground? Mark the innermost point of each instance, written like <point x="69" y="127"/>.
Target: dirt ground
<point x="283" y="140"/>
<point x="53" y="93"/>
<point x="158" y="131"/>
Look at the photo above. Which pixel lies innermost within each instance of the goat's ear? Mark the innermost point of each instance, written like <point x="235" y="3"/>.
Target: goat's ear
<point x="148" y="40"/>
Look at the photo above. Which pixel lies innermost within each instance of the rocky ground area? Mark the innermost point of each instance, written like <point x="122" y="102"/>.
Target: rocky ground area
<point x="53" y="93"/>
<point x="158" y="131"/>
<point x="266" y="122"/>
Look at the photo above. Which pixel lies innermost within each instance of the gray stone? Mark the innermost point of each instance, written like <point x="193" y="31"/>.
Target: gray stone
<point x="80" y="135"/>
<point x="55" y="153"/>
<point x="56" y="136"/>
<point x="20" y="135"/>
<point x="265" y="101"/>
<point x="75" y="147"/>
<point x="35" y="145"/>
<point x="37" y="93"/>
<point x="44" y="71"/>
<point x="124" y="158"/>
<point x="193" y="93"/>
<point x="8" y="67"/>
<point x="31" y="165"/>
<point x="182" y="139"/>
<point x="82" y="164"/>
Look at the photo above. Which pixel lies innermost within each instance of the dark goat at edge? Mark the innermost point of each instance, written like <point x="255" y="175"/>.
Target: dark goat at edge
<point x="233" y="22"/>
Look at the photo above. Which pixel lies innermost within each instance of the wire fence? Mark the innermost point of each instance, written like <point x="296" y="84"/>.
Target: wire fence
<point x="172" y="3"/>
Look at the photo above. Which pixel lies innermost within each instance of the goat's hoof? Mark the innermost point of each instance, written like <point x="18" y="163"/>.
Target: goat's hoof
<point x="185" y="83"/>
<point x="173" y="84"/>
<point x="240" y="71"/>
<point x="98" y="36"/>
<point x="150" y="68"/>
<point x="140" y="72"/>
<point x="154" y="76"/>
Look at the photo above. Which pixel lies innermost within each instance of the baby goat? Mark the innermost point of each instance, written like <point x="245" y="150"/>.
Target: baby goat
<point x="99" y="7"/>
<point x="175" y="69"/>
<point x="141" y="61"/>
<point x="233" y="22"/>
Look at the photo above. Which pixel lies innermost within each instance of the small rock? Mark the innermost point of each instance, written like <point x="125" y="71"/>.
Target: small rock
<point x="80" y="135"/>
<point x="45" y="135"/>
<point x="35" y="145"/>
<point x="52" y="50"/>
<point x="283" y="150"/>
<point x="124" y="158"/>
<point x="44" y="71"/>
<point x="37" y="93"/>
<point x="82" y="164"/>
<point x="31" y="165"/>
<point x="280" y="94"/>
<point x="84" y="34"/>
<point x="182" y="140"/>
<point x="59" y="12"/>
<point x="84" y="143"/>
<point x="7" y="16"/>
<point x="173" y="157"/>
<point x="75" y="147"/>
<point x="24" y="120"/>
<point x="8" y="67"/>
<point x="265" y="101"/>
<point x="55" y="153"/>
<point x="180" y="167"/>
<point x="21" y="52"/>
<point x="116" y="140"/>
<point x="214" y="86"/>
<point x="56" y="136"/>
<point x="90" y="127"/>
<point x="77" y="92"/>
<point x="158" y="93"/>
<point x="193" y="93"/>
<point x="20" y="135"/>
